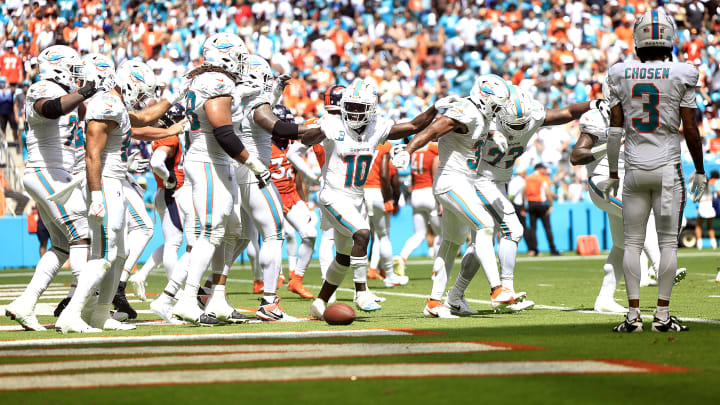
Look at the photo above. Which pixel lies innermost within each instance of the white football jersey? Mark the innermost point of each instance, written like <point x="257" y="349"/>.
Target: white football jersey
<point x="203" y="145"/>
<point x="595" y="123"/>
<point x="460" y="153"/>
<point x="255" y="138"/>
<point x="49" y="142"/>
<point x="651" y="95"/>
<point x="79" y="165"/>
<point x="498" y="166"/>
<point x="109" y="107"/>
<point x="349" y="156"/>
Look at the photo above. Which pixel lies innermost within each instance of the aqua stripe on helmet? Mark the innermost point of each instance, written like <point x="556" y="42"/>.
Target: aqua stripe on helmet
<point x="518" y="106"/>
<point x="357" y="88"/>
<point x="655" y="27"/>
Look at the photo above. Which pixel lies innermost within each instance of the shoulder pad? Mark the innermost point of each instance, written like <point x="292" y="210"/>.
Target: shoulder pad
<point x="593" y="123"/>
<point x="44" y="89"/>
<point x="689" y="75"/>
<point x="462" y="111"/>
<point x="105" y="106"/>
<point x="212" y="84"/>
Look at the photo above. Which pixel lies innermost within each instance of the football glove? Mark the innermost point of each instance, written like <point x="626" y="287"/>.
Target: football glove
<point x="137" y="164"/>
<point x="500" y="140"/>
<point x="610" y="188"/>
<point x="446" y="102"/>
<point x="699" y="184"/>
<point x="170" y="182"/>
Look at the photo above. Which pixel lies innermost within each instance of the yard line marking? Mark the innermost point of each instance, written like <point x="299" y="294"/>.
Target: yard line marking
<point x="243" y="353"/>
<point x="216" y="336"/>
<point x="328" y="372"/>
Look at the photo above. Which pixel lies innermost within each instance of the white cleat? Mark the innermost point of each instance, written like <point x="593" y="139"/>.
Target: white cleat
<point x="187" y="310"/>
<point x="317" y="309"/>
<point x="375" y="297"/>
<point x="138" y="287"/>
<point x="399" y="266"/>
<point x="500" y="298"/>
<point x="458" y="305"/>
<point x="395" y="280"/>
<point x="73" y="324"/>
<point x="24" y="316"/>
<point x="164" y="311"/>
<point x="218" y="306"/>
<point x="111" y="324"/>
<point x="365" y="300"/>
<point x="437" y="310"/>
<point x="520" y="306"/>
<point x="608" y="305"/>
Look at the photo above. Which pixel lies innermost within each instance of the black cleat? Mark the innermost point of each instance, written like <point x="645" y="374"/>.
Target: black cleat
<point x="121" y="303"/>
<point x="203" y="296"/>
<point x="629" y="326"/>
<point x="672" y="324"/>
<point x="61" y="306"/>
<point x="208" y="320"/>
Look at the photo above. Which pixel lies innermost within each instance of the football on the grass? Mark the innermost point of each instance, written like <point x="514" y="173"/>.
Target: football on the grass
<point x="339" y="314"/>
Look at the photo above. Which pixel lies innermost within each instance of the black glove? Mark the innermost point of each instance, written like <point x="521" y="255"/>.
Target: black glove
<point x="263" y="179"/>
<point x="88" y="90"/>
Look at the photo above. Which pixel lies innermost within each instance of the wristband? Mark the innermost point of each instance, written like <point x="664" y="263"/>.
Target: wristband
<point x="96" y="196"/>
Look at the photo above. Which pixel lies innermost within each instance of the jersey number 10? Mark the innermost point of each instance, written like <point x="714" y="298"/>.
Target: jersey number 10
<point x="358" y="168"/>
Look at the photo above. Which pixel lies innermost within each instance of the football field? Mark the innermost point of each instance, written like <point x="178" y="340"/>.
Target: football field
<point x="559" y="352"/>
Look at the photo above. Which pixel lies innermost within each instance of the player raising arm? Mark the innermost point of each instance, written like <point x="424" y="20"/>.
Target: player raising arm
<point x="350" y="141"/>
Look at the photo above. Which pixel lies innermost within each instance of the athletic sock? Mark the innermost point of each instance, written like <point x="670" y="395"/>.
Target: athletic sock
<point x="662" y="313"/>
<point x="153" y="261"/>
<point x="200" y="258"/>
<point x="486" y="255"/>
<point x="304" y="255"/>
<point x="469" y="267"/>
<point x="507" y="253"/>
<point x="633" y="313"/>
<point x="78" y="257"/>
<point x="45" y="271"/>
<point x="359" y="267"/>
<point x="271" y="264"/>
<point x="442" y="269"/>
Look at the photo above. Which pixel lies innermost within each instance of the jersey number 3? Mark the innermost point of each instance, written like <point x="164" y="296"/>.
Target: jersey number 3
<point x="650" y="123"/>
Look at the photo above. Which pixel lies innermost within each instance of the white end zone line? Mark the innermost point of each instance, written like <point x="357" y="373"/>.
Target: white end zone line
<point x="327" y="372"/>
<point x="214" y="336"/>
<point x="152" y="356"/>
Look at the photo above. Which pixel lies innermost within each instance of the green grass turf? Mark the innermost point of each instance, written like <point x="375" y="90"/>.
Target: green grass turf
<point x="570" y="282"/>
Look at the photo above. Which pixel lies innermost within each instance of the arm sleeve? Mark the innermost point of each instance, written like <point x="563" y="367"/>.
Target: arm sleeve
<point x="294" y="156"/>
<point x="157" y="162"/>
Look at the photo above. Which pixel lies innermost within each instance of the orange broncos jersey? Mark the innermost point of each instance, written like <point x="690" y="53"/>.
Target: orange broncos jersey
<point x="421" y="166"/>
<point x="283" y="177"/>
<point x="173" y="161"/>
<point x="373" y="179"/>
<point x="317" y="148"/>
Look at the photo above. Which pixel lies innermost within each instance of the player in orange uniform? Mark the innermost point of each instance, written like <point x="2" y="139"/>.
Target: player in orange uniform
<point x="423" y="164"/>
<point x="381" y="202"/>
<point x="294" y="208"/>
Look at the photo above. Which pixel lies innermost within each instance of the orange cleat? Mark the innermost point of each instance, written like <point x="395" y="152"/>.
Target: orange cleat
<point x="295" y="285"/>
<point x="373" y="273"/>
<point x="258" y="287"/>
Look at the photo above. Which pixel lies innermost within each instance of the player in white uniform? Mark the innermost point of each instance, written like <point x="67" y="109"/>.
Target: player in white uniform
<point x="350" y="142"/>
<point x="208" y="163"/>
<point x="517" y="122"/>
<point x="52" y="118"/>
<point x="462" y="131"/>
<point x="108" y="133"/>
<point x="648" y="100"/>
<point x="591" y="150"/>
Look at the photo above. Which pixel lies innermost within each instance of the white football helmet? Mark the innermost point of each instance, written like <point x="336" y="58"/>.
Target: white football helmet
<point x="655" y="28"/>
<point x="259" y="73"/>
<point x="514" y="116"/>
<point x="226" y="51"/>
<point x="489" y="93"/>
<point x="358" y="103"/>
<point x="60" y="64"/>
<point x="137" y="83"/>
<point x="99" y="69"/>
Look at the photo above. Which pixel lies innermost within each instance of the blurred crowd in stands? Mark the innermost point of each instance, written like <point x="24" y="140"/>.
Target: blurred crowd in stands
<point x="417" y="50"/>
